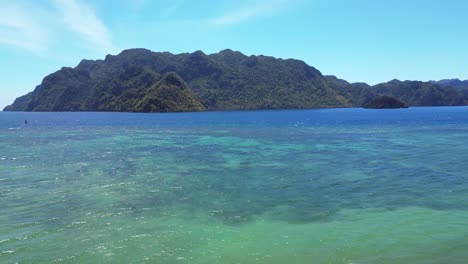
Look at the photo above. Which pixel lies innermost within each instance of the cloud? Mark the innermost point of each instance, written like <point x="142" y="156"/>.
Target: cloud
<point x="81" y="19"/>
<point x="20" y="28"/>
<point x="249" y="12"/>
<point x="33" y="27"/>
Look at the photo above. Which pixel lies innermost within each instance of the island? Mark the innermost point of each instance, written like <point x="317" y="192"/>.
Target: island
<point x="385" y="102"/>
<point x="140" y="80"/>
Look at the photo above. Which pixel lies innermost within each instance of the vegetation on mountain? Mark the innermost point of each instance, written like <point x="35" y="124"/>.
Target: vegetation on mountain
<point x="20" y="104"/>
<point x="170" y="94"/>
<point x="385" y="102"/>
<point x="415" y="93"/>
<point x="141" y="80"/>
<point x="457" y="84"/>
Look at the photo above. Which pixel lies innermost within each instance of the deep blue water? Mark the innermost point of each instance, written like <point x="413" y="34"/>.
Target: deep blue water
<point x="316" y="117"/>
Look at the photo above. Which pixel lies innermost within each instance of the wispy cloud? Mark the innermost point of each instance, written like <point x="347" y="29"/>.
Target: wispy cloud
<point x="20" y="28"/>
<point x="248" y="12"/>
<point x="81" y="18"/>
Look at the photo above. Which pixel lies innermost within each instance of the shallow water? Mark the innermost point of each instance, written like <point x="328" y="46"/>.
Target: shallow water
<point x="316" y="186"/>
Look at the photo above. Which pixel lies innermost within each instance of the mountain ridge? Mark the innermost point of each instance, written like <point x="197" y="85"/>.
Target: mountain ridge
<point x="227" y="80"/>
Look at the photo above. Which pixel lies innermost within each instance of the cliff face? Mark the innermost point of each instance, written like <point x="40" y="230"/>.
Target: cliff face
<point x="227" y="80"/>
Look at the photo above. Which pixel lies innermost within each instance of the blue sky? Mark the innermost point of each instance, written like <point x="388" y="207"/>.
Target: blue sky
<point x="357" y="40"/>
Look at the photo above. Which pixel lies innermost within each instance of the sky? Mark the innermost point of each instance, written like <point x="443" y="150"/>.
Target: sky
<point x="357" y="40"/>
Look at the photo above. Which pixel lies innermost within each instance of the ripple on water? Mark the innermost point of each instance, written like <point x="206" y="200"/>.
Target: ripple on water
<point x="259" y="194"/>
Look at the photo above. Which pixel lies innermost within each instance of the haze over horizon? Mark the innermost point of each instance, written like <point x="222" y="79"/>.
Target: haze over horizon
<point x="365" y="41"/>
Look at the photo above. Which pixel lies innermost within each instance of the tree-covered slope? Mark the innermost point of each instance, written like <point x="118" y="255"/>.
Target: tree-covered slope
<point x="20" y="104"/>
<point x="456" y="84"/>
<point x="170" y="94"/>
<point x="415" y="93"/>
<point x="137" y="89"/>
<point x="385" y="102"/>
<point x="226" y="80"/>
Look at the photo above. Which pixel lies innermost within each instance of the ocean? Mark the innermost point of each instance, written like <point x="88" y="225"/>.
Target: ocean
<point x="344" y="186"/>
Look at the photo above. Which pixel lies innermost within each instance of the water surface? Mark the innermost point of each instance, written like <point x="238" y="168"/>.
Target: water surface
<point x="315" y="186"/>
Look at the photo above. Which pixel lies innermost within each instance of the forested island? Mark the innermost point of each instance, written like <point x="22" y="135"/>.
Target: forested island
<point x="385" y="102"/>
<point x="139" y="80"/>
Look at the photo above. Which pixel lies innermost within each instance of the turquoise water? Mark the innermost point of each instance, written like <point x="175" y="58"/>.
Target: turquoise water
<point x="316" y="186"/>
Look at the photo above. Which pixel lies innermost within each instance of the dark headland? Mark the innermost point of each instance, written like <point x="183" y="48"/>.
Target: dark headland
<point x="385" y="102"/>
<point x="139" y="80"/>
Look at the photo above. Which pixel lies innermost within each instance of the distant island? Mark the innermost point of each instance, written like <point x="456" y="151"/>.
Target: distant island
<point x="385" y="102"/>
<point x="139" y="80"/>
